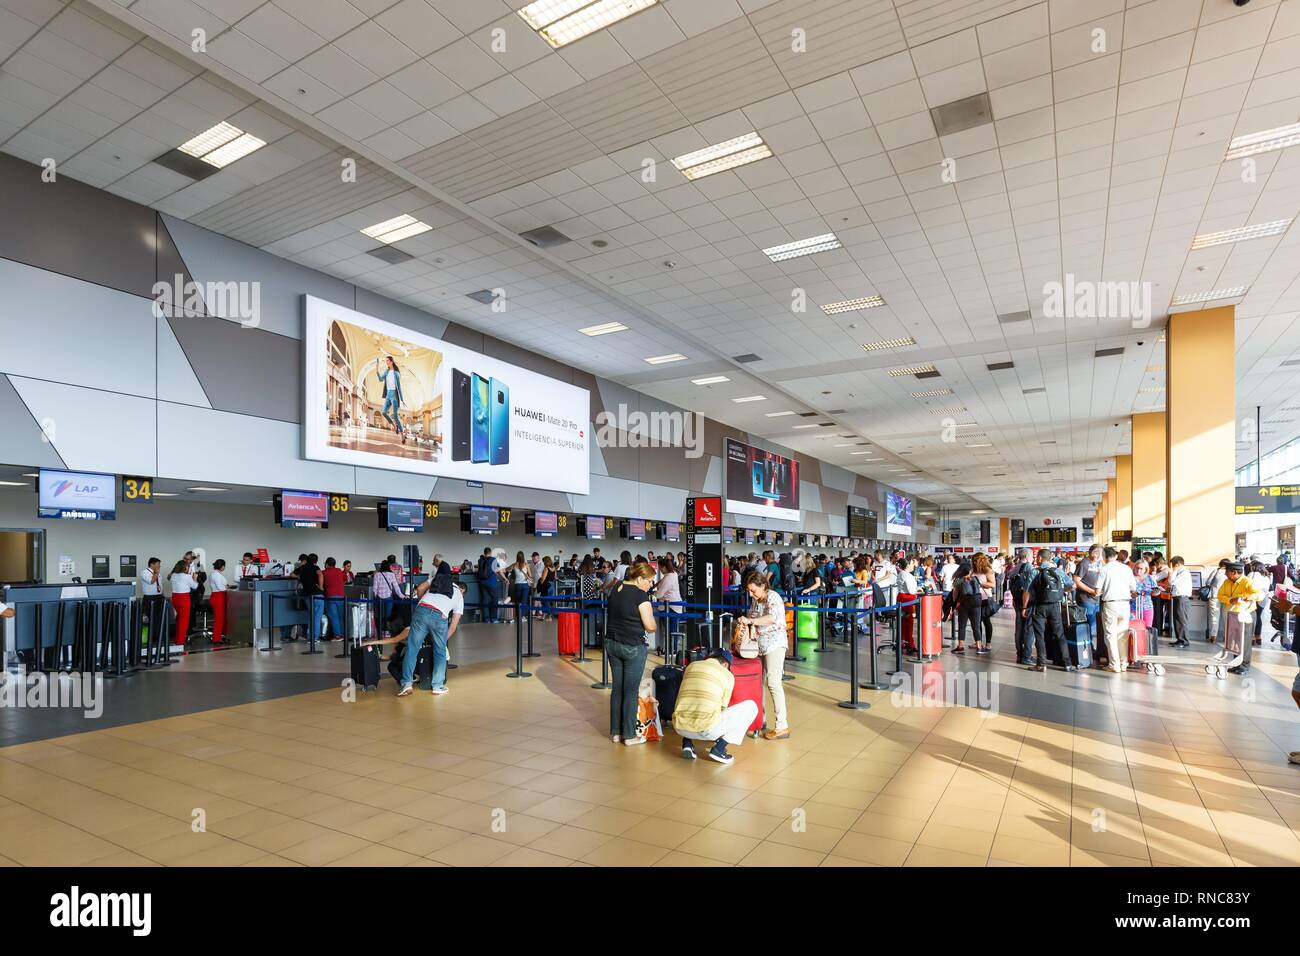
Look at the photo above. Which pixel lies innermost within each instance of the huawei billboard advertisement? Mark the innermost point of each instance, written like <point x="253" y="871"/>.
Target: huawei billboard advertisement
<point x="383" y="396"/>
<point x="760" y="483"/>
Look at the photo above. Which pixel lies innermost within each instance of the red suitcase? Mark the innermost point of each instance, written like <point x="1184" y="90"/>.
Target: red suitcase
<point x="1137" y="645"/>
<point x="568" y="631"/>
<point x="749" y="686"/>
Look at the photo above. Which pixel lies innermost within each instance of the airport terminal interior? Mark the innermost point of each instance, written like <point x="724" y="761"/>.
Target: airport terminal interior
<point x="806" y="432"/>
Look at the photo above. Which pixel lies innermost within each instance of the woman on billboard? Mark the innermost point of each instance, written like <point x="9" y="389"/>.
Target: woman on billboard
<point x="392" y="382"/>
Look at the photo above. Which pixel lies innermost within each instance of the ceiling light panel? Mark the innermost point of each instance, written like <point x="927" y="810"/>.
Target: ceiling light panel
<point x="1258" y="231"/>
<point x="210" y="139"/>
<point x="561" y="22"/>
<point x="710" y="380"/>
<point x="1191" y="298"/>
<point x="740" y="151"/>
<point x="397" y="228"/>
<point x="604" y="328"/>
<point x="888" y="344"/>
<point x="853" y="305"/>
<point x="665" y="359"/>
<point x="912" y="370"/>
<point x="802" y="247"/>
<point x="1263" y="142"/>
<point x="750" y="398"/>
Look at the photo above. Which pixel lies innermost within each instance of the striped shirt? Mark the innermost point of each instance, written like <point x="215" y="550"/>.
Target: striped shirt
<point x="704" y="694"/>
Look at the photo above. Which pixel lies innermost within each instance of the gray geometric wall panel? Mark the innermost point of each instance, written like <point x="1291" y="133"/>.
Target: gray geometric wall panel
<point x="24" y="443"/>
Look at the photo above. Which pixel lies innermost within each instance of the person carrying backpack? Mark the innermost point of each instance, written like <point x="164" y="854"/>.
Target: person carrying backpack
<point x="487" y="574"/>
<point x="1018" y="581"/>
<point x="1043" y="599"/>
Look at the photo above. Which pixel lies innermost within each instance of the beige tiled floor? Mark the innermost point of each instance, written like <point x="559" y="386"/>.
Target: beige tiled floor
<point x="520" y="773"/>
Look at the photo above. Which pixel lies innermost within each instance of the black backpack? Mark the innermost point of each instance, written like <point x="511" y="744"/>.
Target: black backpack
<point x="1020" y="583"/>
<point x="1047" y="587"/>
<point x="484" y="567"/>
<point x="970" y="589"/>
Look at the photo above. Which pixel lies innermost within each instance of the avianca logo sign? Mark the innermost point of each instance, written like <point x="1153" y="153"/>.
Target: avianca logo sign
<point x="708" y="512"/>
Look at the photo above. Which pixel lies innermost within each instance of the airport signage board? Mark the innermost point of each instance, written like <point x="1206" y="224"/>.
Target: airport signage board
<point x="1268" y="499"/>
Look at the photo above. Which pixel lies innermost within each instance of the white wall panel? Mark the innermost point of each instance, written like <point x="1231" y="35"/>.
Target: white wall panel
<point x="211" y="446"/>
<point x="94" y="430"/>
<point x="66" y="330"/>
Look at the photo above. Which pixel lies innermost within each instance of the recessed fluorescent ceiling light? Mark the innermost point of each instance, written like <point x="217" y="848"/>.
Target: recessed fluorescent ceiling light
<point x="221" y="145"/>
<point x="805" y="426"/>
<point x="983" y="444"/>
<point x="853" y="305"/>
<point x="399" y="227"/>
<point x="710" y="380"/>
<point x="1258" y="231"/>
<point x="911" y="370"/>
<point x="665" y="359"/>
<point x="604" y="329"/>
<point x="560" y="22"/>
<point x="1189" y="298"/>
<point x="888" y="344"/>
<point x="865" y="453"/>
<point x="779" y="414"/>
<point x="750" y="398"/>
<point x="749" y="148"/>
<point x="1150" y="391"/>
<point x="947" y="410"/>
<point x="206" y="488"/>
<point x="164" y="494"/>
<point x="802" y="247"/>
<point x="846" y="444"/>
<point x="932" y="393"/>
<point x="14" y="484"/>
<point x="1278" y="138"/>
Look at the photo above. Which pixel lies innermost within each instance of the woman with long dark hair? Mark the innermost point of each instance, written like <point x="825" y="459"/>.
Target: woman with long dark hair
<point x="631" y="619"/>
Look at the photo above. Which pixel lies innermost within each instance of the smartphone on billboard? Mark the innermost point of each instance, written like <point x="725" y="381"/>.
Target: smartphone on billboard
<point x="499" y="424"/>
<point x="460" y="415"/>
<point x="479" y="407"/>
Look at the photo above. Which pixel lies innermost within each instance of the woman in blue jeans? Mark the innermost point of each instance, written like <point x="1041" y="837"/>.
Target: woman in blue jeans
<point x="631" y="620"/>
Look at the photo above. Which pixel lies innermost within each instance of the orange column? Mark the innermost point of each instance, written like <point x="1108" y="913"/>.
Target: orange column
<point x="1112" y="494"/>
<point x="1004" y="535"/>
<point x="1200" y="403"/>
<point x="1124" y="493"/>
<point x="1149" y="475"/>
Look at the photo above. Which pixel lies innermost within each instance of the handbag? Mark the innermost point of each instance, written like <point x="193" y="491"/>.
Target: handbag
<point x="744" y="643"/>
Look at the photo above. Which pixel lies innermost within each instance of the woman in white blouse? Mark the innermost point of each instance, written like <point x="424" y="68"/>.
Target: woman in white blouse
<point x="182" y="582"/>
<point x="767" y="615"/>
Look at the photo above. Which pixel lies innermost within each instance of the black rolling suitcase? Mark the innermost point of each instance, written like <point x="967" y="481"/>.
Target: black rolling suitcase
<point x="668" y="681"/>
<point x="365" y="667"/>
<point x="423" y="666"/>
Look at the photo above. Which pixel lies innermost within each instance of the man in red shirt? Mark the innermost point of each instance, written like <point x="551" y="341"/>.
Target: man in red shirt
<point x="334" y="581"/>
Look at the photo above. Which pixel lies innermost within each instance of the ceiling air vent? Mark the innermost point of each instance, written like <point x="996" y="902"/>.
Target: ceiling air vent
<point x="543" y="237"/>
<point x="747" y="358"/>
<point x="1290" y="362"/>
<point x="1034" y="391"/>
<point x="390" y="254"/>
<point x="962" y="114"/>
<point x="1001" y="366"/>
<point x="189" y="166"/>
<point x="932" y="373"/>
<point x="1103" y="353"/>
<point x="482" y="295"/>
<point x="807" y="414"/>
<point x="835" y="411"/>
<point x="1007" y="317"/>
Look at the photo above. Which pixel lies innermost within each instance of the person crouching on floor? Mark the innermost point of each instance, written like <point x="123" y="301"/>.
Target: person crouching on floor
<point x="703" y="710"/>
<point x="441" y="605"/>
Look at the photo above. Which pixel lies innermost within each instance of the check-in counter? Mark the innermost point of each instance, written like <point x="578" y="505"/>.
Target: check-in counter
<point x="44" y="628"/>
<point x="260" y="603"/>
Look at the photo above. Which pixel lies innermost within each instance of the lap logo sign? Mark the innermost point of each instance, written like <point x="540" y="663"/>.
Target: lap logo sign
<point x="384" y="396"/>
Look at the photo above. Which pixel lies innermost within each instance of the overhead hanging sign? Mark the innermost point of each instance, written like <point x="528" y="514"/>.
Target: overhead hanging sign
<point x="1268" y="499"/>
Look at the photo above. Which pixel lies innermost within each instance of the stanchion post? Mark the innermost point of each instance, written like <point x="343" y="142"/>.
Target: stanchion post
<point x="853" y="703"/>
<point x="312" y="624"/>
<point x="603" y="683"/>
<point x="519" y="649"/>
<point x="528" y="613"/>
<point x="582" y="628"/>
<point x="270" y="628"/>
<point x="874" y="682"/>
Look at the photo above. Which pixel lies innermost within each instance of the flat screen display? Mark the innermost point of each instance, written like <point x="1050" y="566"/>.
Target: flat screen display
<point x="594" y="526"/>
<point x="728" y="535"/>
<point x="546" y="524"/>
<point x="403" y="515"/>
<point x="302" y="509"/>
<point x="750" y="536"/>
<point x="384" y="396"/>
<point x="76" y="495"/>
<point x="1054" y="535"/>
<point x="760" y="483"/>
<point x="483" y="519"/>
<point x="672" y="531"/>
<point x="898" y="513"/>
<point x="635" y="529"/>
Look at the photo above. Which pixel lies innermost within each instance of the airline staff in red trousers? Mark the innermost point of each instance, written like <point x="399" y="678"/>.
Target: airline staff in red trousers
<point x="217" y="586"/>
<point x="183" y="583"/>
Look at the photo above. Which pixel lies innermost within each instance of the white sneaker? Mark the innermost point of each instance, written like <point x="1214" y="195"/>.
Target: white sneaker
<point x="439" y="691"/>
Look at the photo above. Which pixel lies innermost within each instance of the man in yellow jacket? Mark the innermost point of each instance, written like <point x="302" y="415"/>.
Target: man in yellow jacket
<point x="704" y="711"/>
<point x="1239" y="598"/>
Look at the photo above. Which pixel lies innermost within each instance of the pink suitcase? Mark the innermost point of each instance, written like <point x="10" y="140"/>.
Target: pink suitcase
<point x="749" y="686"/>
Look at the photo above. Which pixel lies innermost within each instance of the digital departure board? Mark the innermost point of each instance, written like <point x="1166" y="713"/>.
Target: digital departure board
<point x="862" y="522"/>
<point x="1051" y="535"/>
